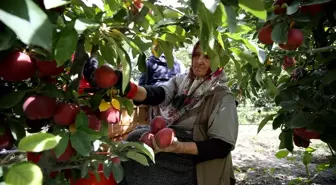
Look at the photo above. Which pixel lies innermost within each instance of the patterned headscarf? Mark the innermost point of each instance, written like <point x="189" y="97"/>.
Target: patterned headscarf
<point x="194" y="98"/>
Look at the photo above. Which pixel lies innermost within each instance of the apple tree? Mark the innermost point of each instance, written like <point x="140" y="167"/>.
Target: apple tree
<point x="51" y="114"/>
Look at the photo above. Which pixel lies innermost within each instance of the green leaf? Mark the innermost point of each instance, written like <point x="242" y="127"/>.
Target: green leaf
<point x="49" y="4"/>
<point x="293" y="8"/>
<point x="95" y="101"/>
<point x="322" y="167"/>
<point x="129" y="41"/>
<point x="142" y="148"/>
<point x="84" y="169"/>
<point x="82" y="120"/>
<point x="81" y="143"/>
<point x="104" y="128"/>
<point x="24" y="173"/>
<point x="52" y="91"/>
<point x="329" y="76"/>
<point x="255" y="7"/>
<point x="307" y="158"/>
<point x="118" y="172"/>
<point x="126" y="66"/>
<point x="28" y="21"/>
<point x="65" y="46"/>
<point x="265" y="121"/>
<point x="82" y="24"/>
<point x="38" y="142"/>
<point x="62" y="144"/>
<point x="245" y="55"/>
<point x="194" y="5"/>
<point x="231" y="18"/>
<point x="128" y="105"/>
<point x="93" y="135"/>
<point x="314" y="2"/>
<point x="11" y="99"/>
<point x="7" y="39"/>
<point x="168" y="53"/>
<point x="211" y="5"/>
<point x="140" y="158"/>
<point x="302" y="119"/>
<point x="278" y="121"/>
<point x="272" y="88"/>
<point x="282" y="154"/>
<point x="286" y="140"/>
<point x="17" y="129"/>
<point x="310" y="150"/>
<point x="107" y="52"/>
<point x="142" y="67"/>
<point x="205" y="18"/>
<point x="279" y="32"/>
<point x="107" y="169"/>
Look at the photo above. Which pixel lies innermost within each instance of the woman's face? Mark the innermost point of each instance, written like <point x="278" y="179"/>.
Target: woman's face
<point x="200" y="63"/>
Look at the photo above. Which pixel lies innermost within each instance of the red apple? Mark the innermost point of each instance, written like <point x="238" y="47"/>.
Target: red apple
<point x="92" y="180"/>
<point x="279" y="10"/>
<point x="94" y="122"/>
<point x="6" y="139"/>
<point x="111" y="115"/>
<point x="48" y="68"/>
<point x="105" y="76"/>
<point x="34" y="156"/>
<point x="294" y="39"/>
<point x="66" y="113"/>
<point x="264" y="35"/>
<point x="165" y="137"/>
<point x="157" y="124"/>
<point x="300" y="142"/>
<point x="66" y="156"/>
<point x="147" y="138"/>
<point x="288" y="62"/>
<point x="304" y="133"/>
<point x="16" y="66"/>
<point x="39" y="107"/>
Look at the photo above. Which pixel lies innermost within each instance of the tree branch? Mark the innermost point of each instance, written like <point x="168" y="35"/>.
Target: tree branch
<point x="322" y="49"/>
<point x="78" y="65"/>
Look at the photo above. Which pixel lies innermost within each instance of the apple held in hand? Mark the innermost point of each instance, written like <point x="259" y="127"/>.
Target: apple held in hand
<point x="147" y="138"/>
<point x="165" y="137"/>
<point x="157" y="124"/>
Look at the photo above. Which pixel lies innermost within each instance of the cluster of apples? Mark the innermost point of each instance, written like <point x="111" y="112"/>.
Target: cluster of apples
<point x="302" y="137"/>
<point x="310" y="9"/>
<point x="164" y="136"/>
<point x="18" y="66"/>
<point x="294" y="37"/>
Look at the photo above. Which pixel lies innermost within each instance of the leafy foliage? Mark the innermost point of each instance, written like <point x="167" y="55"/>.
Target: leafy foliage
<point x="66" y="33"/>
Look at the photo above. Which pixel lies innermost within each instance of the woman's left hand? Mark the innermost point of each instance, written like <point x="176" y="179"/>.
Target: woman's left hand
<point x="175" y="147"/>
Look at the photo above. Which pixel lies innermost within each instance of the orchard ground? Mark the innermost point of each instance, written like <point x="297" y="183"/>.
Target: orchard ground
<point x="255" y="162"/>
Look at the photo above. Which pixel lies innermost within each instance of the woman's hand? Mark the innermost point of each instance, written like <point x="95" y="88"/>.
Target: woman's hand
<point x="175" y="147"/>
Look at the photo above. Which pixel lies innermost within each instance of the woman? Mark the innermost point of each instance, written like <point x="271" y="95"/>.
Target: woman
<point x="199" y="106"/>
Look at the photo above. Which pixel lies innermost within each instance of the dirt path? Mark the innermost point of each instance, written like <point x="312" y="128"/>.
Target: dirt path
<point x="255" y="162"/>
